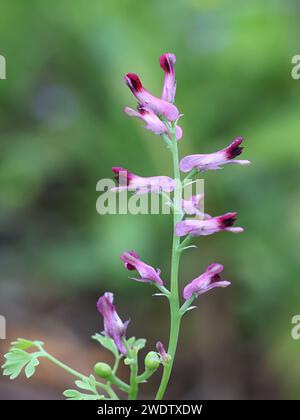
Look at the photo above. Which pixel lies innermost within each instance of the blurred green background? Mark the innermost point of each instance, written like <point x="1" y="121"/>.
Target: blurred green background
<point x="63" y="128"/>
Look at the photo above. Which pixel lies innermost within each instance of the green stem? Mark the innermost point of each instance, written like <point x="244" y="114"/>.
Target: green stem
<point x="116" y="365"/>
<point x="79" y="375"/>
<point x="146" y="375"/>
<point x="119" y="383"/>
<point x="191" y="175"/>
<point x="186" y="242"/>
<point x="131" y="354"/>
<point x="186" y="305"/>
<point x="174" y="297"/>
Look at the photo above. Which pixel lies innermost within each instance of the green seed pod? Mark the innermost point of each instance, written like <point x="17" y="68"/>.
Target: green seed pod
<point x="152" y="361"/>
<point x="103" y="370"/>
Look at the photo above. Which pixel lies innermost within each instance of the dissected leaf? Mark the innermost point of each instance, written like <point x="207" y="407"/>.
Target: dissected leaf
<point x="107" y="343"/>
<point x="30" y="368"/>
<point x="24" y="344"/>
<point x="82" y="385"/>
<point x="88" y="384"/>
<point x="18" y="359"/>
<point x="130" y="341"/>
<point x="137" y="343"/>
<point x="73" y="394"/>
<point x="140" y="343"/>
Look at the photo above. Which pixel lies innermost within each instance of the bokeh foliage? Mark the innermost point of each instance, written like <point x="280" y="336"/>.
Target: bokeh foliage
<point x="62" y="129"/>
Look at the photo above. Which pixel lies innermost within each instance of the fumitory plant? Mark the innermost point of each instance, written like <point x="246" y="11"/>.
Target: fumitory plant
<point x="160" y="116"/>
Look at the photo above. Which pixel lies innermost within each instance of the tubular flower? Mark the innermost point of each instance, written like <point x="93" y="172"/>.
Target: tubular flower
<point x="153" y="123"/>
<point x="215" y="160"/>
<point x="113" y="326"/>
<point x="208" y="280"/>
<point x="193" y="204"/>
<point x="147" y="273"/>
<point x="149" y="101"/>
<point x="164" y="356"/>
<point x="208" y="226"/>
<point x="167" y="63"/>
<point x="141" y="185"/>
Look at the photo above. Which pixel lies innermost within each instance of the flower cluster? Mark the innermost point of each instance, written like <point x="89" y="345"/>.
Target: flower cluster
<point x="160" y="116"/>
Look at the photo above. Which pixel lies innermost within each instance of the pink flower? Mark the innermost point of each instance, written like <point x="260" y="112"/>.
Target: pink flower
<point x="148" y="274"/>
<point x="191" y="206"/>
<point x="208" y="280"/>
<point x="141" y="185"/>
<point x="215" y="160"/>
<point x="208" y="226"/>
<point x="113" y="326"/>
<point x="167" y="63"/>
<point x="153" y="123"/>
<point x="164" y="356"/>
<point x="149" y="101"/>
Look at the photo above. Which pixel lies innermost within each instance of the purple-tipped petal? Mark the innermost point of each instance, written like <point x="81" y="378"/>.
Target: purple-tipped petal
<point x="167" y="63"/>
<point x="208" y="225"/>
<point x="113" y="325"/>
<point x="213" y="161"/>
<point x="122" y="176"/>
<point x="142" y="185"/>
<point x="164" y="356"/>
<point x="147" y="273"/>
<point x="149" y="101"/>
<point x="208" y="280"/>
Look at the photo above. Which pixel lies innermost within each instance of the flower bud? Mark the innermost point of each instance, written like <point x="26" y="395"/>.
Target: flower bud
<point x="103" y="370"/>
<point x="152" y="361"/>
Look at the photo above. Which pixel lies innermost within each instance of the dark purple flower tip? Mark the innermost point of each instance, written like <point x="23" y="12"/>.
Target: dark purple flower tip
<point x="208" y="280"/>
<point x="133" y="82"/>
<point x="167" y="62"/>
<point x="234" y="149"/>
<point x="147" y="273"/>
<point x="142" y="109"/>
<point x="122" y="176"/>
<point x="227" y="220"/>
<point x="129" y="266"/>
<point x="214" y="270"/>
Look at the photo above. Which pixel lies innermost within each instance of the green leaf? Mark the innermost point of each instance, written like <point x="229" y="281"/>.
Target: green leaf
<point x="30" y="368"/>
<point x="72" y="394"/>
<point x="107" y="343"/>
<point x="24" y="344"/>
<point x="138" y="343"/>
<point x="87" y="384"/>
<point x="130" y="341"/>
<point x="18" y="359"/>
